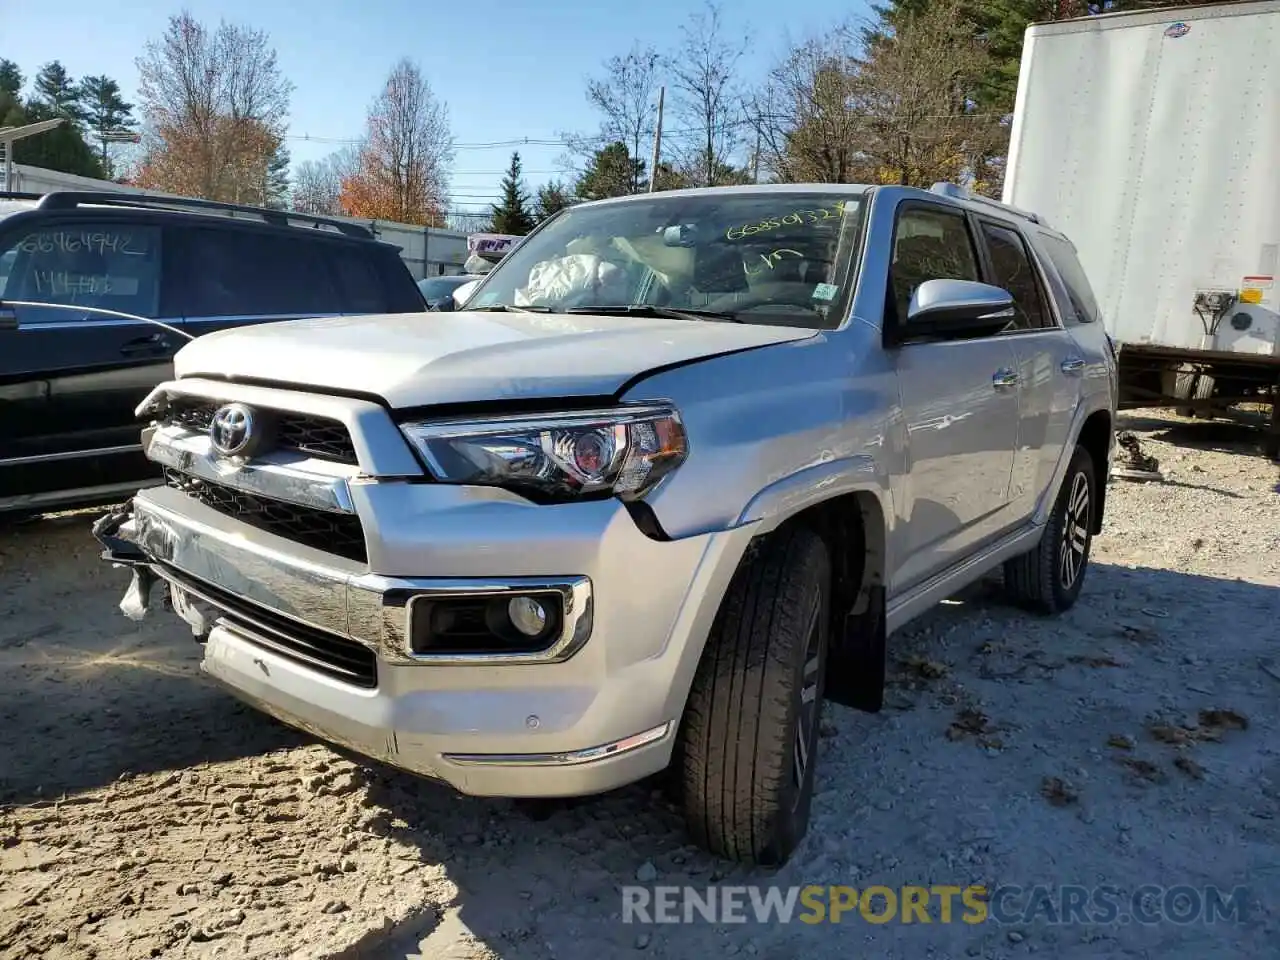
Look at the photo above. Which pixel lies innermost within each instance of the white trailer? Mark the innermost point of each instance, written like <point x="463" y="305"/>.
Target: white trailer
<point x="1152" y="140"/>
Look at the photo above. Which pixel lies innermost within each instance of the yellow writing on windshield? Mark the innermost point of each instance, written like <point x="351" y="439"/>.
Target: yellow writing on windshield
<point x="770" y="260"/>
<point x="794" y="218"/>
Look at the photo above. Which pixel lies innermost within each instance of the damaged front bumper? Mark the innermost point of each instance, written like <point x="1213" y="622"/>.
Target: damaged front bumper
<point x="324" y="644"/>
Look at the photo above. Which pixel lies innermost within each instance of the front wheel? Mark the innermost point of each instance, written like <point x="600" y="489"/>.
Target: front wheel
<point x="1048" y="579"/>
<point x="750" y="731"/>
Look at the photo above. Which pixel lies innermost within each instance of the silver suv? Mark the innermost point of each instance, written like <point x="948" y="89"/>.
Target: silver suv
<point x="666" y="484"/>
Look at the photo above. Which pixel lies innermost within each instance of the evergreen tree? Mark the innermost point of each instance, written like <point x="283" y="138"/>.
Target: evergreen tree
<point x="612" y="172"/>
<point x="63" y="148"/>
<point x="105" y="110"/>
<point x="11" y="79"/>
<point x="511" y="214"/>
<point x="552" y="198"/>
<point x="55" y="90"/>
<point x="277" y="197"/>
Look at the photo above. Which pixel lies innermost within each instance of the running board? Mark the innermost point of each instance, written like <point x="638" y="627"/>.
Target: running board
<point x="902" y="610"/>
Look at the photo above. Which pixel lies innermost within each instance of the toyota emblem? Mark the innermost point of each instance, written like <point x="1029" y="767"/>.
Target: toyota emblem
<point x="232" y="430"/>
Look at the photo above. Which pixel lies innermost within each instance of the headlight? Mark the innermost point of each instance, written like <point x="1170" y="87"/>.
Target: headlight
<point x="623" y="451"/>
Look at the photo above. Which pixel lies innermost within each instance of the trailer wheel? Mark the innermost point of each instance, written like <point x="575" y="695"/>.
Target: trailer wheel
<point x="1189" y="384"/>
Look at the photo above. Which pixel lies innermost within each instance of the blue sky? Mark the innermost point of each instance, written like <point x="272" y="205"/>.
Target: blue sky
<point x="508" y="70"/>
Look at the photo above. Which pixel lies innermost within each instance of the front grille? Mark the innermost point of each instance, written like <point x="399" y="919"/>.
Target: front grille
<point x="325" y="652"/>
<point x="336" y="533"/>
<point x="315" y="436"/>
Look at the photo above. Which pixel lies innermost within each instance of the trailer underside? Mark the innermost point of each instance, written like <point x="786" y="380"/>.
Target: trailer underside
<point x="1201" y="383"/>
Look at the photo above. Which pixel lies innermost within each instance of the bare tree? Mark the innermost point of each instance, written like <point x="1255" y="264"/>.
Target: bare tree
<point x="801" y="115"/>
<point x="625" y="98"/>
<point x="317" y="184"/>
<point x="215" y="106"/>
<point x="916" y="102"/>
<point x="403" y="170"/>
<point x="704" y="71"/>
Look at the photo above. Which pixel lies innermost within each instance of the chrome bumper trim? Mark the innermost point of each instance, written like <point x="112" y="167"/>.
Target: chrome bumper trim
<point x="567" y="759"/>
<point x="327" y="592"/>
<point x="300" y="480"/>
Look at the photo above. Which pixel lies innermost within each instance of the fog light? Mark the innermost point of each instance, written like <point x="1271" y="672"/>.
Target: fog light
<point x="527" y="615"/>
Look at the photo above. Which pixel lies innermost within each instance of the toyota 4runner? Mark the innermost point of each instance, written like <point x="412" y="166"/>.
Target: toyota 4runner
<point x="662" y="487"/>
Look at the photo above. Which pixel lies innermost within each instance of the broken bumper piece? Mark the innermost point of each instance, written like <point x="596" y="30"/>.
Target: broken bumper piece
<point x="115" y="531"/>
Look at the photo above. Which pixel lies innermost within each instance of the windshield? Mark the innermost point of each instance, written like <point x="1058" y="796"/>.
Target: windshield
<point x="433" y="288"/>
<point x="760" y="256"/>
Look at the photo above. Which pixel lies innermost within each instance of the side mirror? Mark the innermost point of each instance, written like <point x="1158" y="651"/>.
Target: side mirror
<point x="8" y="317"/>
<point x="957" y="308"/>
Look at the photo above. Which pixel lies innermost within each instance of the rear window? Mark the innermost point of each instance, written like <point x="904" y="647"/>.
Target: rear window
<point x="359" y="282"/>
<point x="247" y="273"/>
<point x="1063" y="256"/>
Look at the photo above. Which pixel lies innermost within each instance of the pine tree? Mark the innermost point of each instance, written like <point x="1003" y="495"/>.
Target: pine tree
<point x="552" y="198"/>
<point x="11" y="79"/>
<point x="57" y="92"/>
<point x="612" y="172"/>
<point x="511" y="215"/>
<point x="105" y="110"/>
<point x="277" y="197"/>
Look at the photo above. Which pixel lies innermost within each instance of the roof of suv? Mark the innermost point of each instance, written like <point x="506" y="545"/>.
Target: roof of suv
<point x="14" y="203"/>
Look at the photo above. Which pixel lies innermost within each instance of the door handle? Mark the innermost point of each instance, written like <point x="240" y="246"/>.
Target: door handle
<point x="1072" y="365"/>
<point x="1004" y="379"/>
<point x="154" y="344"/>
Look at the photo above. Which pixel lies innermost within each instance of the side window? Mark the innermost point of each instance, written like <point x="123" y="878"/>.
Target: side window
<point x="111" y="266"/>
<point x="1011" y="268"/>
<point x="929" y="243"/>
<point x="1063" y="255"/>
<point x="231" y="273"/>
<point x="359" y="285"/>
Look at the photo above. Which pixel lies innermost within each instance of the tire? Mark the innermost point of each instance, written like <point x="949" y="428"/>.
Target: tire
<point x="1184" y="388"/>
<point x="1048" y="579"/>
<point x="749" y="736"/>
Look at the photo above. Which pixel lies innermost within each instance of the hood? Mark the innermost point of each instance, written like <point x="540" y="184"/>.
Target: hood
<point x="421" y="359"/>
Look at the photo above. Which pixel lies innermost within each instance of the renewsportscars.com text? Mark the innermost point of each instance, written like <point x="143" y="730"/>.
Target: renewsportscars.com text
<point x="937" y="903"/>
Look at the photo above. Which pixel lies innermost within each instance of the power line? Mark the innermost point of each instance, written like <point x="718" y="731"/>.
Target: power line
<point x="567" y="142"/>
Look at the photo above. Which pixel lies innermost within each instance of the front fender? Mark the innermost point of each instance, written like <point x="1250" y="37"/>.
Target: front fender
<point x="773" y="430"/>
<point x="814" y="484"/>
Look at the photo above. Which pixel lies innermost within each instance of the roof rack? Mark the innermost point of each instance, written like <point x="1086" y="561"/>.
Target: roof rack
<point x="70" y="199"/>
<point x="958" y="192"/>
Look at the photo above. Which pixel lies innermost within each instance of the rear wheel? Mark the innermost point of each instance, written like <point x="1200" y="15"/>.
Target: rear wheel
<point x="750" y="731"/>
<point x="1048" y="579"/>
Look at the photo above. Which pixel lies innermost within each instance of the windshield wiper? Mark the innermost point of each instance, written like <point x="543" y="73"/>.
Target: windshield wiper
<point x="649" y="310"/>
<point x="509" y="308"/>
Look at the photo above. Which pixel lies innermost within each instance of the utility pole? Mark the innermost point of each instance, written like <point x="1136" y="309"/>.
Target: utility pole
<point x="657" y="143"/>
<point x="755" y="161"/>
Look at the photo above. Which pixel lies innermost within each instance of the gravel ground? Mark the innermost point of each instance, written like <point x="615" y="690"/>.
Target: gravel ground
<point x="1131" y="742"/>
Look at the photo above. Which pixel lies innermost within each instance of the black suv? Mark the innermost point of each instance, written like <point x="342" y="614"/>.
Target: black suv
<point x="70" y="380"/>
